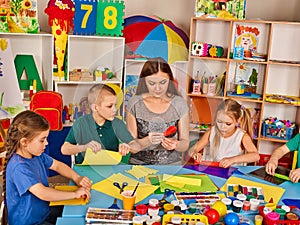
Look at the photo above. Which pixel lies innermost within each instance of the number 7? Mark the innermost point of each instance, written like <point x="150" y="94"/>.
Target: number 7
<point x="89" y="9"/>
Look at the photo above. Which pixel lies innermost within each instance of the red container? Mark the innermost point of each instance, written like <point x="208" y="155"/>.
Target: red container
<point x="266" y="221"/>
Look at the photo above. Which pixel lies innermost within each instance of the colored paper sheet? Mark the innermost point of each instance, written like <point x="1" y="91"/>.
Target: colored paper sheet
<point x="206" y="184"/>
<point x="103" y="157"/>
<point x="280" y="173"/>
<point x="181" y="180"/>
<point x="141" y="171"/>
<point x="76" y="201"/>
<point x="213" y="170"/>
<point x="106" y="186"/>
<point x="270" y="191"/>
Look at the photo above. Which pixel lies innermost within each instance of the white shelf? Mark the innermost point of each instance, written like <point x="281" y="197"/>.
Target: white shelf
<point x="40" y="46"/>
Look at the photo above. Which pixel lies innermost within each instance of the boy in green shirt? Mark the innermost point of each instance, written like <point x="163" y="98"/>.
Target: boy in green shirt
<point x="290" y="146"/>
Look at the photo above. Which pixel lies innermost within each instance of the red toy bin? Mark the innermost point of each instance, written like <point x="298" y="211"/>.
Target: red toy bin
<point x="267" y="221"/>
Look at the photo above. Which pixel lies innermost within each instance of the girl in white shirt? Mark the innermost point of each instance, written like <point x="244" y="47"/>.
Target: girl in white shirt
<point x="229" y="141"/>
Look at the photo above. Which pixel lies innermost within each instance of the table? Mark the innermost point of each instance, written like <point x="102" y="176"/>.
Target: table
<point x="75" y="214"/>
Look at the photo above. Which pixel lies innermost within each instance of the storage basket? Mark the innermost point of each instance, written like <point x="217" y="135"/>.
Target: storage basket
<point x="282" y="133"/>
<point x="267" y="221"/>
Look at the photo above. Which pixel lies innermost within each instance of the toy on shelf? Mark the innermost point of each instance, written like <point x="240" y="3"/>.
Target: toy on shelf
<point x="275" y="98"/>
<point x="205" y="49"/>
<point x="103" y="73"/>
<point x="80" y="75"/>
<point x="279" y="129"/>
<point x="61" y="15"/>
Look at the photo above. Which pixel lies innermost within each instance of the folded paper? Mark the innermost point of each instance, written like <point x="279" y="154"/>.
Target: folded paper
<point x="75" y="201"/>
<point x="103" y="157"/>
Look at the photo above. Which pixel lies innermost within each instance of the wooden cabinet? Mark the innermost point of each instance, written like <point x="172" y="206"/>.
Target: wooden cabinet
<point x="278" y="74"/>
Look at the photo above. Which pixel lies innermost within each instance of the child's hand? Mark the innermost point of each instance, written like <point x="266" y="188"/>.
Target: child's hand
<point x="156" y="138"/>
<point x="226" y="162"/>
<point x="124" y="149"/>
<point x="169" y="143"/>
<point x="84" y="182"/>
<point x="82" y="193"/>
<point x="295" y="175"/>
<point x="271" y="167"/>
<point x="197" y="156"/>
<point x="94" y="145"/>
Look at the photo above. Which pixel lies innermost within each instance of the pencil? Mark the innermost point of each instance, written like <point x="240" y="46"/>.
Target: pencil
<point x="294" y="160"/>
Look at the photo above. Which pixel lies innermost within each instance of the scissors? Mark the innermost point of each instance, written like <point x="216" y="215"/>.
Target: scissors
<point x="124" y="184"/>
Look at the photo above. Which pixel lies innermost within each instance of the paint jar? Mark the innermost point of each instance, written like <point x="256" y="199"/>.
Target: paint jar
<point x="227" y="202"/>
<point x="286" y="208"/>
<point x="254" y="204"/>
<point x="237" y="206"/>
<point x="246" y="206"/>
<point x="141" y="209"/>
<point x="271" y="205"/>
<point x="238" y="53"/>
<point x="273" y="218"/>
<point x="192" y="207"/>
<point x="281" y="212"/>
<point x="168" y="207"/>
<point x="241" y="197"/>
<point x="153" y="208"/>
<point x="258" y="219"/>
<point x="296" y="211"/>
<point x="137" y="220"/>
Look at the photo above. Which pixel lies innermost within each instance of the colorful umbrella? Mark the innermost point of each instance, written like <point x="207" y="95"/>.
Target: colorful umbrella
<point x="154" y="37"/>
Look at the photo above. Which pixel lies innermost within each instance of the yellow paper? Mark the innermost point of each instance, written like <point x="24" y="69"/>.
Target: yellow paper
<point x="269" y="190"/>
<point x="76" y="201"/>
<point x="141" y="171"/>
<point x="181" y="180"/>
<point x="106" y="186"/>
<point x="103" y="157"/>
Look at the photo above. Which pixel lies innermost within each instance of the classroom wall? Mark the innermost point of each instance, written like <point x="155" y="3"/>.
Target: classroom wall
<point x="180" y="11"/>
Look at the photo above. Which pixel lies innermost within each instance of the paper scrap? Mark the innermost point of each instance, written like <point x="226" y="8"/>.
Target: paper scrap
<point x="76" y="201"/>
<point x="106" y="186"/>
<point x="181" y="180"/>
<point x="141" y="171"/>
<point x="103" y="157"/>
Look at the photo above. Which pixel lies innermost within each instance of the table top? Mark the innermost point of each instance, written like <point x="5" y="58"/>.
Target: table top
<point x="100" y="200"/>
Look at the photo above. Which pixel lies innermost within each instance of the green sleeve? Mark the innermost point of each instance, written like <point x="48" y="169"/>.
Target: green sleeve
<point x="294" y="143"/>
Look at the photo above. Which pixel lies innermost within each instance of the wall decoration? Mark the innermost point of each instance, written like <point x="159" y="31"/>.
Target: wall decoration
<point x="18" y="16"/>
<point x="223" y="9"/>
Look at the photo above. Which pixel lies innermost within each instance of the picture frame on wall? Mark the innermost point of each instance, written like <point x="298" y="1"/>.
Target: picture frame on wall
<point x="222" y="9"/>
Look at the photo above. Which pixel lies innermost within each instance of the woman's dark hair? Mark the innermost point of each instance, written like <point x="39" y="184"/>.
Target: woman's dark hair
<point x="151" y="67"/>
<point x="26" y="124"/>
